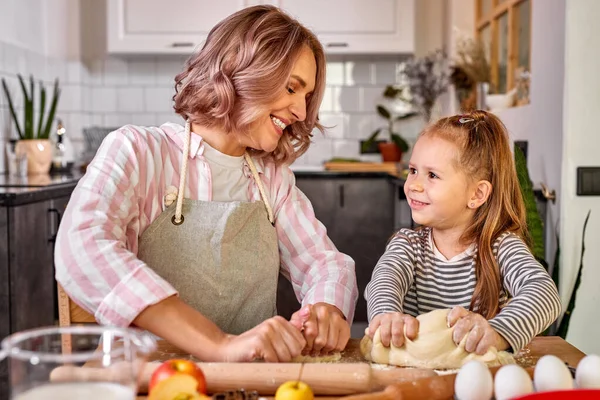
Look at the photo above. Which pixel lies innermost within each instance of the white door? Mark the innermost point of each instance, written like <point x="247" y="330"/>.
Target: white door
<point x="160" y="26"/>
<point x="357" y="26"/>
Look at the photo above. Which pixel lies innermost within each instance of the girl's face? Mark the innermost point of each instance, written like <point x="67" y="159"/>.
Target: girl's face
<point x="437" y="193"/>
<point x="289" y="107"/>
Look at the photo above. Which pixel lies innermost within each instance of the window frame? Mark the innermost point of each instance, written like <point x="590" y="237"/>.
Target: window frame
<point x="497" y="9"/>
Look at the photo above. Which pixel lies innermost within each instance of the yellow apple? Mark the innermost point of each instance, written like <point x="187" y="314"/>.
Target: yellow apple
<point x="294" y="390"/>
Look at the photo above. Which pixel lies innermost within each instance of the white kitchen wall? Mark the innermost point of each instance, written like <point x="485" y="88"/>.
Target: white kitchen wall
<point x="580" y="145"/>
<point x="139" y="91"/>
<point x="113" y="91"/>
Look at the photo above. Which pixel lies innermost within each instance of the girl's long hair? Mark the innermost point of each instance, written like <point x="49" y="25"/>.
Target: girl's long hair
<point x="485" y="154"/>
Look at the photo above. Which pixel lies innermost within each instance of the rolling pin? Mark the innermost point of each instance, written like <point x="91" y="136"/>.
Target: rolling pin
<point x="434" y="388"/>
<point x="324" y="379"/>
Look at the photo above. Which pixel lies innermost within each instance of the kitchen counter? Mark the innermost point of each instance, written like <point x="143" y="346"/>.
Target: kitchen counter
<point x="324" y="174"/>
<point x="33" y="188"/>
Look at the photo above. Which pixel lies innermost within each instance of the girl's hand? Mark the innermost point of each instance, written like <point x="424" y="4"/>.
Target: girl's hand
<point x="393" y="326"/>
<point x="274" y="340"/>
<point x="480" y="335"/>
<point x="324" y="328"/>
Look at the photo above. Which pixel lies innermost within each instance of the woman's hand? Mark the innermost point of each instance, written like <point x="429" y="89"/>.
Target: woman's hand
<point x="324" y="328"/>
<point x="480" y="335"/>
<point x="392" y="328"/>
<point x="274" y="340"/>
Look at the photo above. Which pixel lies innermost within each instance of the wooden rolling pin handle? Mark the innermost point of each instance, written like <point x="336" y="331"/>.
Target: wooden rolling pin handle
<point x="390" y="393"/>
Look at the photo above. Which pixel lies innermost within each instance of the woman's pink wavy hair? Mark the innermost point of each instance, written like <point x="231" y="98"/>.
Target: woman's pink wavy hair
<point x="243" y="67"/>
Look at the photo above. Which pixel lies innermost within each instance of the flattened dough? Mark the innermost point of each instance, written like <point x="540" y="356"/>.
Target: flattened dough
<point x="335" y="357"/>
<point x="433" y="347"/>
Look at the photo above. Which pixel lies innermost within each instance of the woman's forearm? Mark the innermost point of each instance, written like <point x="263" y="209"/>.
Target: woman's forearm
<point x="183" y="327"/>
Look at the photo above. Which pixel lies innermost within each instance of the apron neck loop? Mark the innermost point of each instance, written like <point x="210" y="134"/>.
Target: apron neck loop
<point x="178" y="217"/>
<point x="261" y="188"/>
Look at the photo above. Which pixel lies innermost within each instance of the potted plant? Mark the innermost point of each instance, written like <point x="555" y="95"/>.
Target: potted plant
<point x="34" y="135"/>
<point x="391" y="150"/>
<point x="427" y="79"/>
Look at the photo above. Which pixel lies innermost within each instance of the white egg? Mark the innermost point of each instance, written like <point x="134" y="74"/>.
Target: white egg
<point x="474" y="382"/>
<point x="588" y="372"/>
<point x="511" y="381"/>
<point x="551" y="373"/>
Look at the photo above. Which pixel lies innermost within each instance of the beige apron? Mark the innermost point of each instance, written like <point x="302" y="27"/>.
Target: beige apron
<point x="222" y="257"/>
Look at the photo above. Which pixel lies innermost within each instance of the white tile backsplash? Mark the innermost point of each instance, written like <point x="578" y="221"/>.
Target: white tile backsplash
<point x="130" y="99"/>
<point x="142" y="72"/>
<point x="385" y="72"/>
<point x="335" y="125"/>
<point x="158" y="99"/>
<point x="104" y="99"/>
<point x="371" y="96"/>
<point x="114" y="72"/>
<point x="335" y="73"/>
<point x="360" y="126"/>
<point x="118" y="91"/>
<point x="359" y="73"/>
<point x="71" y="99"/>
<point x="347" y="99"/>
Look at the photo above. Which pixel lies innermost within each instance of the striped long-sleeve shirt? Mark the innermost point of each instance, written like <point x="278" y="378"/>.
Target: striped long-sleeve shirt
<point x="413" y="277"/>
<point x="123" y="192"/>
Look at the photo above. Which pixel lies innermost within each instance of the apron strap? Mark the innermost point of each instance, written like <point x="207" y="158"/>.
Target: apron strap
<point x="261" y="188"/>
<point x="178" y="217"/>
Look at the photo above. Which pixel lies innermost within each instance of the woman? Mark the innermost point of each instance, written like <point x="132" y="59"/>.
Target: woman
<point x="190" y="248"/>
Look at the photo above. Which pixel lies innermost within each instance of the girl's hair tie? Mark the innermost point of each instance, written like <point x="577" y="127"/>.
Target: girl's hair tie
<point x="464" y="120"/>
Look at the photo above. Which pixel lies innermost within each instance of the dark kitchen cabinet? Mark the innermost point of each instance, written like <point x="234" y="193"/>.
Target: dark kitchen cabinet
<point x="359" y="212"/>
<point x="29" y="218"/>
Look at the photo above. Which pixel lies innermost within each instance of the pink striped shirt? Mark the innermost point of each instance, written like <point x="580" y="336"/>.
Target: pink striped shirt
<point x="123" y="191"/>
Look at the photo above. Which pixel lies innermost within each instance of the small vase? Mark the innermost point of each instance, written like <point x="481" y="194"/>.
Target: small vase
<point x="39" y="155"/>
<point x="390" y="152"/>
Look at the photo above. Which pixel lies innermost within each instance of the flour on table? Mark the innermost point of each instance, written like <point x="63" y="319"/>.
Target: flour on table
<point x="433" y="347"/>
<point x="335" y="357"/>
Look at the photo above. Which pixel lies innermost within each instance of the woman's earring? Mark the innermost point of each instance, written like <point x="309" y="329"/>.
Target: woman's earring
<point x="472" y="205"/>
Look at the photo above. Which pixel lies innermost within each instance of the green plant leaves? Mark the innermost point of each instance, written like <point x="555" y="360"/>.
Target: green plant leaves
<point x="12" y="108"/>
<point x="28" y="130"/>
<point x="563" y="327"/>
<point x="400" y="142"/>
<point x="535" y="226"/>
<point x="367" y="144"/>
<point x="382" y="111"/>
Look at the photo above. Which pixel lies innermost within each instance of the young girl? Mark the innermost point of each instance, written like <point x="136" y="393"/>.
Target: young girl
<point x="472" y="249"/>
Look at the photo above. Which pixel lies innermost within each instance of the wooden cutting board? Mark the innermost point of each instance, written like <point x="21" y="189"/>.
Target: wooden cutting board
<point x="389" y="167"/>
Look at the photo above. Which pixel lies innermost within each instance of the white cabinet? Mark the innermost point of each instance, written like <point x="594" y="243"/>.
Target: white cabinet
<point x="357" y="26"/>
<point x="164" y="26"/>
<point x="179" y="26"/>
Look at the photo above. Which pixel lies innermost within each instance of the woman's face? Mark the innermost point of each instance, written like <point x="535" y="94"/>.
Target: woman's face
<point x="289" y="107"/>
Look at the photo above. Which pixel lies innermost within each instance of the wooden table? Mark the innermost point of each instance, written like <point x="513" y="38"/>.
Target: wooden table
<point x="540" y="346"/>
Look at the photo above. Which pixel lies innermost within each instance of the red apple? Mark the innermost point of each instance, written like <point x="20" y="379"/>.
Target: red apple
<point x="171" y="367"/>
<point x="177" y="387"/>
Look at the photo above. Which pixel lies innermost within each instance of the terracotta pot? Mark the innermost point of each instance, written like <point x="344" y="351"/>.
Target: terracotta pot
<point x="390" y="152"/>
<point x="39" y="155"/>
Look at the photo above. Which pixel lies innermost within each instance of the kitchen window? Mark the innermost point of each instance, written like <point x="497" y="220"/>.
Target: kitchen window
<point x="504" y="27"/>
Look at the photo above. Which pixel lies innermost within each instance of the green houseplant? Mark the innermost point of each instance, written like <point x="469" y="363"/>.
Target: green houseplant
<point x="34" y="134"/>
<point x="392" y="149"/>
